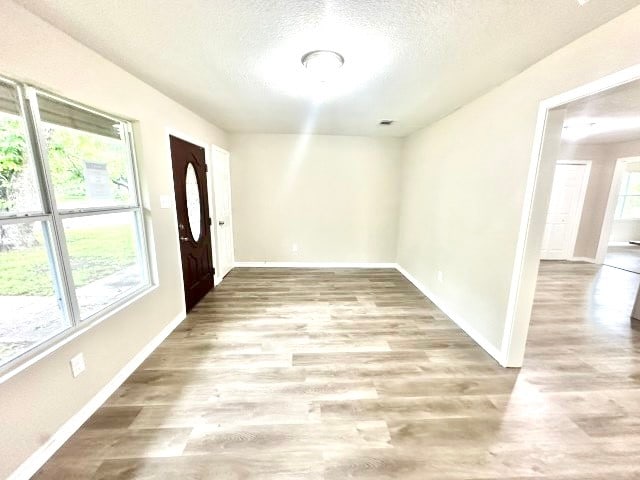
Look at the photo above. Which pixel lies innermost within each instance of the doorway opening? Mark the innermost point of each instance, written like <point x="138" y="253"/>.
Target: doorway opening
<point x="589" y="272"/>
<point x="580" y="210"/>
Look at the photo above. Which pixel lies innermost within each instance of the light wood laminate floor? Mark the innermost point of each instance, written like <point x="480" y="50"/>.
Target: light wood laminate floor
<point x="626" y="257"/>
<point x="340" y="374"/>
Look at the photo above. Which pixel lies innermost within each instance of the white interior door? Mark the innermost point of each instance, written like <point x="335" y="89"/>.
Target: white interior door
<point x="222" y="200"/>
<point x="565" y="209"/>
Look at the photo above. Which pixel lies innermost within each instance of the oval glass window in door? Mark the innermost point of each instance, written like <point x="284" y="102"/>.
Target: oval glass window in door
<point x="193" y="202"/>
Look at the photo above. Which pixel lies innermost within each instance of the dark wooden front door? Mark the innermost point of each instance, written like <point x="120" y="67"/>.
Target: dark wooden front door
<point x="192" y="209"/>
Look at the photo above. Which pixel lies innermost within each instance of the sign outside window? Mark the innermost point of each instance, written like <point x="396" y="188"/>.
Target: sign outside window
<point x="97" y="181"/>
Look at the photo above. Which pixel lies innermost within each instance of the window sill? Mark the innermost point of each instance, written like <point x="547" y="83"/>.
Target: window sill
<point x="24" y="361"/>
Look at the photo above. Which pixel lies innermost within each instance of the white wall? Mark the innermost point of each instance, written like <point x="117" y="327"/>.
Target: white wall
<point x="625" y="231"/>
<point x="37" y="401"/>
<point x="603" y="163"/>
<point x="626" y="149"/>
<point x="464" y="181"/>
<point x="335" y="197"/>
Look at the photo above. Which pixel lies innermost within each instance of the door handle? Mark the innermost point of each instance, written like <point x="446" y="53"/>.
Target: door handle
<point x="184" y="239"/>
<point x="221" y="222"/>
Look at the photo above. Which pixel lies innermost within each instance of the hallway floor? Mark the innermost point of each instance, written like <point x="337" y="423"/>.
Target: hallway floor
<point x="626" y="257"/>
<point x="337" y="374"/>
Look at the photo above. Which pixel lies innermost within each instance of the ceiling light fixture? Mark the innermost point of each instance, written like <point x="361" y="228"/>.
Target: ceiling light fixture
<point x="322" y="64"/>
<point x="579" y="128"/>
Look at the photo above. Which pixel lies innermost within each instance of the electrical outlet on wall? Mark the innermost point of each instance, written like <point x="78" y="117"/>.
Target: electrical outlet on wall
<point x="77" y="365"/>
<point x="440" y="276"/>
<point x="294" y="248"/>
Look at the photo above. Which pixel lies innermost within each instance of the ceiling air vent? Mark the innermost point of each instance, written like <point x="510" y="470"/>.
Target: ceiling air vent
<point x="386" y="122"/>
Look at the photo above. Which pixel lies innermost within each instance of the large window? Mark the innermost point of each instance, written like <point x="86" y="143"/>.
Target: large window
<point x="72" y="243"/>
<point x="628" y="206"/>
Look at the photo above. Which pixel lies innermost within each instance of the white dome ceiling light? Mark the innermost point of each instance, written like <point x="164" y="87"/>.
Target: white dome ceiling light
<point x="323" y="64"/>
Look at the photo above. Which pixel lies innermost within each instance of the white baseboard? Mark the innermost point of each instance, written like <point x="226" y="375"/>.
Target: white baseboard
<point x="461" y="322"/>
<point x="32" y="464"/>
<point x="582" y="259"/>
<point x="315" y="264"/>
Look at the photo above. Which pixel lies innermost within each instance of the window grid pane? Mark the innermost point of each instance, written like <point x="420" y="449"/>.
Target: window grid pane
<point x="31" y="302"/>
<point x="19" y="190"/>
<point x="89" y="253"/>
<point x="631" y="207"/>
<point x="88" y="155"/>
<point x="105" y="261"/>
<point x="633" y="184"/>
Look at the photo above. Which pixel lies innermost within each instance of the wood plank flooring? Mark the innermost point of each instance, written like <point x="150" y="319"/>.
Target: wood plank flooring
<point x="339" y="374"/>
<point x="626" y="257"/>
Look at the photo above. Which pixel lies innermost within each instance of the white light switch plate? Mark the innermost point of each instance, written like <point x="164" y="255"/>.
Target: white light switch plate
<point x="77" y="365"/>
<point x="165" y="201"/>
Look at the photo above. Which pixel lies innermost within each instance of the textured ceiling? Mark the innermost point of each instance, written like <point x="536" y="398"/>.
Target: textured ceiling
<point x="237" y="62"/>
<point x="614" y="114"/>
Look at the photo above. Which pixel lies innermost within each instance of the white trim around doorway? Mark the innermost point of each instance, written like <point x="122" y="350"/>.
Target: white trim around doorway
<point x="525" y="269"/>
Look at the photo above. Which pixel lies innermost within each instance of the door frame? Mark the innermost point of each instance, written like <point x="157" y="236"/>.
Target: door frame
<point x="612" y="203"/>
<point x="532" y="224"/>
<point x="170" y="131"/>
<point x="212" y="202"/>
<point x="569" y="251"/>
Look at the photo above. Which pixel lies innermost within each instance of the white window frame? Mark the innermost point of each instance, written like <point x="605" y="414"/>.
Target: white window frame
<point x="622" y="198"/>
<point x="53" y="217"/>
